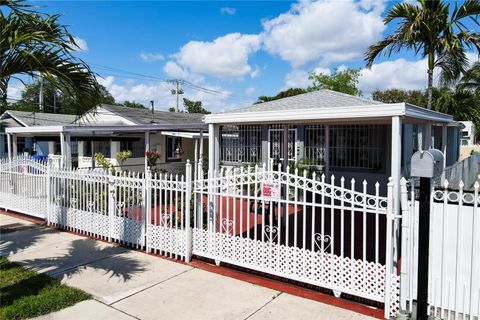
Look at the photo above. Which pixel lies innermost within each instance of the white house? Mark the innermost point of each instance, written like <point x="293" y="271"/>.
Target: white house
<point x="30" y="144"/>
<point x="109" y="129"/>
<point x="468" y="134"/>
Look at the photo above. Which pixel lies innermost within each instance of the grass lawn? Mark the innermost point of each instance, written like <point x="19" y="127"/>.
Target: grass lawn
<point x="25" y="294"/>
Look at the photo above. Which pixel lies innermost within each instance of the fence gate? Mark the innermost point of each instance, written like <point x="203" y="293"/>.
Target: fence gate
<point x="23" y="186"/>
<point x="300" y="228"/>
<point x="454" y="257"/>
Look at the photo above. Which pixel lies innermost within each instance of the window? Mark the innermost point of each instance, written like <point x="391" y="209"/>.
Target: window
<point x="357" y="146"/>
<point x="21" y="145"/>
<point x="104" y="148"/>
<point x="173" y="144"/>
<point x="241" y="144"/>
<point x="87" y="148"/>
<point x="315" y="144"/>
<point x="137" y="147"/>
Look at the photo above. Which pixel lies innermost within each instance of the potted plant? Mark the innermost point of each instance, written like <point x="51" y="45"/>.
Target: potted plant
<point x="152" y="157"/>
<point x="123" y="156"/>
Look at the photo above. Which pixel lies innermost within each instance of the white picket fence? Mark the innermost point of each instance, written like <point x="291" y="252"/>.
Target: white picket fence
<point x="142" y="211"/>
<point x="454" y="257"/>
<point x="23" y="186"/>
<point x="332" y="234"/>
<point x="323" y="233"/>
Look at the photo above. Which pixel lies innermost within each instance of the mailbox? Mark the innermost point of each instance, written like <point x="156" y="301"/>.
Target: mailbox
<point x="427" y="163"/>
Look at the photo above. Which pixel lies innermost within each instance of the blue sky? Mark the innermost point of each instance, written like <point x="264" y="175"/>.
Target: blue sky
<point x="237" y="50"/>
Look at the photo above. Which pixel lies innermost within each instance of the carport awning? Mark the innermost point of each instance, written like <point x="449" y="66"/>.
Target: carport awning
<point x="183" y="134"/>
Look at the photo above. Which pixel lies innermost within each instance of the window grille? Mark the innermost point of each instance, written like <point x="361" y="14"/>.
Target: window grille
<point x="137" y="147"/>
<point x="276" y="136"/>
<point x="357" y="146"/>
<point x="315" y="144"/>
<point x="241" y="144"/>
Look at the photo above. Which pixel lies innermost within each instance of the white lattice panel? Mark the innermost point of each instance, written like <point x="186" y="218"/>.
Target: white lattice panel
<point x="357" y="277"/>
<point x="128" y="230"/>
<point x="82" y="221"/>
<point x="167" y="239"/>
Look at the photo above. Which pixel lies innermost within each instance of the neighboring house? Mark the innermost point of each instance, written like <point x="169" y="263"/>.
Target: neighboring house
<point x="31" y="144"/>
<point x="109" y="129"/>
<point x="175" y="147"/>
<point x="468" y="133"/>
<point x="340" y="134"/>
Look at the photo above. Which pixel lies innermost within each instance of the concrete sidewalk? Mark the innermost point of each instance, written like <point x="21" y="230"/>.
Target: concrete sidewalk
<point x="128" y="284"/>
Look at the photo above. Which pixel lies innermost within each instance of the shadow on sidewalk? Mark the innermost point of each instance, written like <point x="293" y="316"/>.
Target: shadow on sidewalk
<point x="84" y="253"/>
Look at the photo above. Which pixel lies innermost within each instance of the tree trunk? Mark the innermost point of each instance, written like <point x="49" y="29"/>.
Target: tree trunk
<point x="430" y="89"/>
<point x="431" y="65"/>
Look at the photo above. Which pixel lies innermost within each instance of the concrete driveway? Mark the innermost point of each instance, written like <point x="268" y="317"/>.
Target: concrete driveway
<point x="128" y="284"/>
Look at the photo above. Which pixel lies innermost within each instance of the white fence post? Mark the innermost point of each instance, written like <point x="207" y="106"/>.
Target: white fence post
<point x="388" y="251"/>
<point x="188" y="196"/>
<point x="147" y="207"/>
<point x="406" y="243"/>
<point x="111" y="204"/>
<point x="49" y="191"/>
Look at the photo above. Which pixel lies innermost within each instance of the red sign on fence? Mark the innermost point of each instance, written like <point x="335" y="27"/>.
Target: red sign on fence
<point x="271" y="190"/>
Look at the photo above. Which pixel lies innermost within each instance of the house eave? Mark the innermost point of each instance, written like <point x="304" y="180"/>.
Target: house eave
<point x="342" y="113"/>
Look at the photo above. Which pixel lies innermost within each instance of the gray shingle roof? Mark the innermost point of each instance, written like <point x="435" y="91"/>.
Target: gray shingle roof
<point x="39" y="118"/>
<point x="144" y="116"/>
<point x="311" y="100"/>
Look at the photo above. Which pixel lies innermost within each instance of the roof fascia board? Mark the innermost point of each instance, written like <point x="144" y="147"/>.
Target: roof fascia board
<point x="15" y="118"/>
<point x="425" y="114"/>
<point x="352" y="112"/>
<point x="134" y="128"/>
<point x="35" y="129"/>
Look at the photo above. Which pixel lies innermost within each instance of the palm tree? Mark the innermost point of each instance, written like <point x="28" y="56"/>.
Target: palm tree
<point x="32" y="44"/>
<point x="471" y="78"/>
<point x="433" y="31"/>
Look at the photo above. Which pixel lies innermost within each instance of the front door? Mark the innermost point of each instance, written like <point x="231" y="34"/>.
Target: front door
<point x="276" y="143"/>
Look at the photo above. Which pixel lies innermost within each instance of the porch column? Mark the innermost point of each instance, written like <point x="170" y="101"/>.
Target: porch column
<point x="200" y="157"/>
<point x="68" y="151"/>
<point x="327" y="151"/>
<point x="444" y="145"/>
<point x="147" y="148"/>
<point x="285" y="146"/>
<point x="396" y="154"/>
<point x="195" y="163"/>
<point x="9" y="146"/>
<point x="427" y="136"/>
<point x="62" y="150"/>
<point x="14" y="145"/>
<point x="213" y="147"/>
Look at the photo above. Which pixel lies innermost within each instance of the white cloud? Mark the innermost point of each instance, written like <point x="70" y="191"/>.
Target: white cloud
<point x="250" y="90"/>
<point x="228" y="10"/>
<point x="172" y="69"/>
<point x="296" y="79"/>
<point x="224" y="57"/>
<point x="299" y="78"/>
<point x="399" y="73"/>
<point x="82" y="44"/>
<point x="161" y="94"/>
<point x="324" y="31"/>
<point x="15" y="90"/>
<point x="151" y="57"/>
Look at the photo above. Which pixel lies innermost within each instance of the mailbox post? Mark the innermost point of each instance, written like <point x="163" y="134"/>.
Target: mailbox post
<point x="425" y="164"/>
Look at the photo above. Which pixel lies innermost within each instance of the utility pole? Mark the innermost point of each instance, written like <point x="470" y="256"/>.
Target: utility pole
<point x="153" y="110"/>
<point x="177" y="91"/>
<point x="40" y="94"/>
